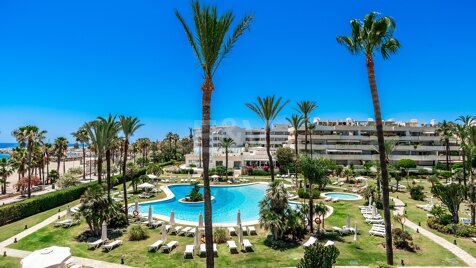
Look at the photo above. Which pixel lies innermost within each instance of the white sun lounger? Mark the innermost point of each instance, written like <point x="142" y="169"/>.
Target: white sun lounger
<point x="377" y="233"/>
<point x="340" y="230"/>
<point x="329" y="243"/>
<point x="311" y="241"/>
<point x="167" y="228"/>
<point x="231" y="245"/>
<point x="175" y="230"/>
<point x="191" y="232"/>
<point x="184" y="231"/>
<point x="112" y="245"/>
<point x="247" y="245"/>
<point x="168" y="248"/>
<point x="251" y="230"/>
<point x="473" y="239"/>
<point x="203" y="249"/>
<point x="156" y="245"/>
<point x="60" y="223"/>
<point x="188" y="251"/>
<point x="327" y="198"/>
<point x="379" y="221"/>
<point x="95" y="244"/>
<point x="231" y="231"/>
<point x="70" y="223"/>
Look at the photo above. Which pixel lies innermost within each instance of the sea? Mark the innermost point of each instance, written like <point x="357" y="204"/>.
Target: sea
<point x="7" y="145"/>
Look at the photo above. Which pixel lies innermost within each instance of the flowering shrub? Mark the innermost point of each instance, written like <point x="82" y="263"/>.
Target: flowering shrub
<point x="22" y="185"/>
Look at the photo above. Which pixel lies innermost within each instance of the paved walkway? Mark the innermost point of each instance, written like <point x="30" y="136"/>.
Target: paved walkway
<point x="463" y="255"/>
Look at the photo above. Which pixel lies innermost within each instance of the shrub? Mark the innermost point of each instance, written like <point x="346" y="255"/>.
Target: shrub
<point x="137" y="232"/>
<point x="451" y="228"/>
<point x="67" y="180"/>
<point x="75" y="171"/>
<point x="402" y="240"/>
<point x="416" y="193"/>
<point x="260" y="172"/>
<point x="279" y="244"/>
<point x="220" y="235"/>
<point x="318" y="255"/>
<point x="303" y="193"/>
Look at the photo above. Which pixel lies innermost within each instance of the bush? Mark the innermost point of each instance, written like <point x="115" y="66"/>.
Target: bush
<point x="220" y="235"/>
<point x="402" y="240"/>
<point x="459" y="229"/>
<point x="75" y="170"/>
<point x="260" y="172"/>
<point x="279" y="244"/>
<point x="416" y="193"/>
<point x="318" y="255"/>
<point x="67" y="180"/>
<point x="303" y="193"/>
<point x="137" y="232"/>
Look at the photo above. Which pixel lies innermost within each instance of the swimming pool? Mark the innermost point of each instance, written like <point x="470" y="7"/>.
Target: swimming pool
<point x="228" y="199"/>
<point x="343" y="196"/>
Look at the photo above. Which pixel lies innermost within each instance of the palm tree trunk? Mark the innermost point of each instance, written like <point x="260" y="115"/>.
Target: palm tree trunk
<point x="447" y="147"/>
<point x="464" y="174"/>
<point x="473" y="208"/>
<point x="99" y="162"/>
<point x="297" y="154"/>
<point x="383" y="163"/>
<point x="268" y="150"/>
<point x="29" y="172"/>
<point x="305" y="135"/>
<point x="47" y="170"/>
<point x="310" y="140"/>
<point x="84" y="163"/>
<point x="207" y="89"/>
<point x="226" y="163"/>
<point x="58" y="164"/>
<point x="124" y="164"/>
<point x="311" y="226"/>
<point x="108" y="172"/>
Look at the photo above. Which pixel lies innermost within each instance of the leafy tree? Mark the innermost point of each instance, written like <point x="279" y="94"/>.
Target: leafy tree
<point x="461" y="131"/>
<point x="285" y="157"/>
<point x="67" y="180"/>
<point x="320" y="256"/>
<point x="82" y="137"/>
<point x="347" y="173"/>
<point x="451" y="195"/>
<point x="445" y="131"/>
<point x="375" y="35"/>
<point x="210" y="45"/>
<point x="406" y="165"/>
<point x="416" y="193"/>
<point x="273" y="210"/>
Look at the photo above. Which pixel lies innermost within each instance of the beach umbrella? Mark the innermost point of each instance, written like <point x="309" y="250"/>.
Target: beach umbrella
<point x="200" y="220"/>
<point x="370" y="201"/>
<point x="348" y="222"/>
<point x="355" y="233"/>
<point x="196" y="239"/>
<point x="136" y="205"/>
<point x="47" y="257"/>
<point x="374" y="211"/>
<point x="289" y="174"/>
<point x="146" y="185"/>
<point x="149" y="218"/>
<point x="214" y="176"/>
<point x="240" y="234"/>
<point x="152" y="176"/>
<point x="431" y="201"/>
<point x="172" y="217"/>
<point x="68" y="213"/>
<point x="238" y="218"/>
<point x="104" y="231"/>
<point x="164" y="233"/>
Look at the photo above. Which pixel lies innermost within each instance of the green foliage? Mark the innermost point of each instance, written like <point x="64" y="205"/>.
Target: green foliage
<point x="68" y="180"/>
<point x="75" y="170"/>
<point x="137" y="232"/>
<point x="460" y="230"/>
<point x="320" y="256"/>
<point x="260" y="172"/>
<point x="53" y="176"/>
<point x="17" y="211"/>
<point x="195" y="194"/>
<point x="416" y="193"/>
<point x="303" y="193"/>
<point x="220" y="235"/>
<point x="285" y="156"/>
<point x="451" y="195"/>
<point x="315" y="170"/>
<point x="445" y="174"/>
<point x="402" y="240"/>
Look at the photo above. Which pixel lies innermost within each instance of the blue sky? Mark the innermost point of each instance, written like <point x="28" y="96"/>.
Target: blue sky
<point x="65" y="62"/>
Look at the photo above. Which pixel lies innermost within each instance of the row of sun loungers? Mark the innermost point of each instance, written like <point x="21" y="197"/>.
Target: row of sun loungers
<point x="344" y="230"/>
<point x="66" y="223"/>
<point x="250" y="230"/>
<point x="377" y="230"/>
<point x="312" y="240"/>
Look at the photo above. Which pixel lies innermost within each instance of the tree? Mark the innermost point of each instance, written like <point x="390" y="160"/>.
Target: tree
<point x="306" y="108"/>
<point x="471" y="151"/>
<point x="5" y="171"/>
<point x="267" y="109"/>
<point x="29" y="136"/>
<point x="97" y="136"/>
<point x="315" y="171"/>
<point x="296" y="122"/>
<point x="445" y="131"/>
<point x="451" y="195"/>
<point x="406" y="165"/>
<point x="129" y="125"/>
<point x="67" y="180"/>
<point x="320" y="256"/>
<point x="461" y="132"/>
<point x="111" y="127"/>
<point x="375" y="35"/>
<point x="347" y="174"/>
<point x="211" y="43"/>
<point x="311" y="128"/>
<point x="285" y="157"/>
<point x="60" y="147"/>
<point x="226" y="143"/>
<point x="82" y="138"/>
<point x="273" y="210"/>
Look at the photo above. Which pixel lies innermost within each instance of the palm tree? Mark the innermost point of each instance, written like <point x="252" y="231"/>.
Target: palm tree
<point x="445" y="130"/>
<point x="389" y="147"/>
<point x="29" y="136"/>
<point x="226" y="143"/>
<point x="471" y="151"/>
<point x="60" y="147"/>
<point x="296" y="122"/>
<point x="268" y="109"/>
<point x="19" y="161"/>
<point x="210" y="45"/>
<point x="306" y="108"/>
<point x="97" y="136"/>
<point x="5" y="171"/>
<point x="461" y="132"/>
<point x="111" y="128"/>
<point x="375" y="35"/>
<point x="311" y="128"/>
<point x="129" y="125"/>
<point x="82" y="138"/>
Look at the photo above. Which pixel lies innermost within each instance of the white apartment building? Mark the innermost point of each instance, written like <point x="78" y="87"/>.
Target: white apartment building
<point x="348" y="141"/>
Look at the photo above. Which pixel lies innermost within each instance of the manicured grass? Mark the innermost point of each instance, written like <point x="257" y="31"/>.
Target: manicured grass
<point x="11" y="229"/>
<point x="10" y="262"/>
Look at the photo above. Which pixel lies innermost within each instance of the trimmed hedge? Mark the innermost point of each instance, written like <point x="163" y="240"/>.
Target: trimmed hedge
<point x="17" y="211"/>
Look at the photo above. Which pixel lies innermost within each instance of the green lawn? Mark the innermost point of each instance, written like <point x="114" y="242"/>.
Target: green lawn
<point x="9" y="262"/>
<point x="11" y="229"/>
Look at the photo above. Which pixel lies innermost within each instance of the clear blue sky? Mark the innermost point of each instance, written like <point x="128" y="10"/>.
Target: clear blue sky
<point x="65" y="62"/>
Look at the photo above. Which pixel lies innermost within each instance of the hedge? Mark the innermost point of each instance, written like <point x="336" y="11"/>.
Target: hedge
<point x="20" y="210"/>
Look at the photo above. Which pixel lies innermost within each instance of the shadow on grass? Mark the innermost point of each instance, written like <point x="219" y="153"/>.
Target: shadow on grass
<point x="280" y="245"/>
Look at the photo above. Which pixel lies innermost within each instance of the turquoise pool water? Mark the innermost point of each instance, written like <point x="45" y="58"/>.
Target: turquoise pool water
<point x="228" y="199"/>
<point x="342" y="196"/>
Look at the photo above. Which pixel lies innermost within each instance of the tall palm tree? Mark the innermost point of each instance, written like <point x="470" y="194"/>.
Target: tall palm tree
<point x="226" y="143"/>
<point x="19" y="161"/>
<point x="29" y="136"/>
<point x="445" y="131"/>
<point x="47" y="151"/>
<point x="268" y="109"/>
<point x="295" y="122"/>
<point x="129" y="125"/>
<point x="311" y="128"/>
<point x="5" y="171"/>
<point x="375" y="35"/>
<point x="471" y="149"/>
<point x="211" y="43"/>
<point x="389" y="147"/>
<point x="306" y="108"/>
<point x="60" y="147"/>
<point x="97" y="136"/>
<point x="111" y="128"/>
<point x="461" y="132"/>
<point x="82" y="138"/>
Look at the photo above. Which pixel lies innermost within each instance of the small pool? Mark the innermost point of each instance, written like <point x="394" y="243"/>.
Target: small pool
<point x="343" y="196"/>
<point x="227" y="200"/>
